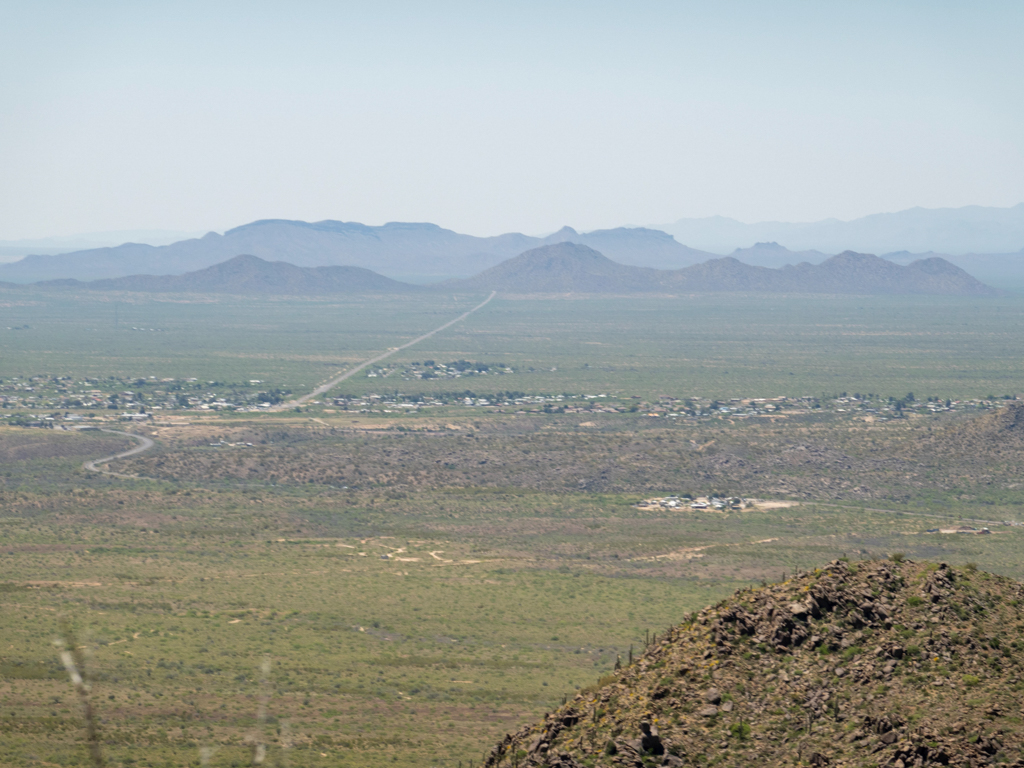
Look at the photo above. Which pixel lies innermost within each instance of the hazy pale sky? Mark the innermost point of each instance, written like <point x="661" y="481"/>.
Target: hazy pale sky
<point x="488" y="117"/>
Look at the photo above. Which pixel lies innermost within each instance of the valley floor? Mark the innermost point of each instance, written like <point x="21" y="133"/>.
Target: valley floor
<point x="421" y="591"/>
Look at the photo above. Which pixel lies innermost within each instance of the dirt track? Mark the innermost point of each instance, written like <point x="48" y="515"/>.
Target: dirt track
<point x="144" y="445"/>
<point x="338" y="379"/>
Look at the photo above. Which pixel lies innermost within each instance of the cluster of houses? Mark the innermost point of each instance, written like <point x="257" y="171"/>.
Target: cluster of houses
<point x="700" y="502"/>
<point x="149" y="393"/>
<point x="429" y="369"/>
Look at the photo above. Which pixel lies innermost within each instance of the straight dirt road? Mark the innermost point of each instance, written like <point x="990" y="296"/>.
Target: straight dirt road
<point x="329" y="385"/>
<point x="145" y="443"/>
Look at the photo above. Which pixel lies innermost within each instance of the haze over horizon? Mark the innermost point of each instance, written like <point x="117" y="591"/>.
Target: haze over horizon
<point x="485" y="120"/>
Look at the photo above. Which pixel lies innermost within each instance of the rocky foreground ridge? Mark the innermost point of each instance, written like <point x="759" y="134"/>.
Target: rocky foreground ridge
<point x="875" y="663"/>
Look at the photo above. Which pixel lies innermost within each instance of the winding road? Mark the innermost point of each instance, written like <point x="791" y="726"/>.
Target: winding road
<point x="144" y="445"/>
<point x="338" y="379"/>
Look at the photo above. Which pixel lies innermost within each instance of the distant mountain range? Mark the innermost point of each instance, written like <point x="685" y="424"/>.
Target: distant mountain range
<point x="1004" y="269"/>
<point x="568" y="267"/>
<point x="418" y="253"/>
<point x="957" y="231"/>
<point x="12" y="250"/>
<point x="414" y="252"/>
<point x="426" y="253"/>
<point x="250" y="275"/>
<point x="562" y="268"/>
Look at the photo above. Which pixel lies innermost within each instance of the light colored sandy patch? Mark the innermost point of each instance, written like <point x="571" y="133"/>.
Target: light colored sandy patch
<point x="689" y="553"/>
<point x="965" y="531"/>
<point x="588" y="424"/>
<point x="235" y="621"/>
<point x="776" y="504"/>
<point x="436" y="554"/>
<point x="76" y="584"/>
<point x="349" y="546"/>
<point x="407" y="559"/>
<point x="460" y="562"/>
<point x="125" y="639"/>
<point x="694" y="553"/>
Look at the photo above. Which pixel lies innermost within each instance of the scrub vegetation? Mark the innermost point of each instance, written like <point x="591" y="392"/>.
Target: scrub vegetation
<point x="424" y="580"/>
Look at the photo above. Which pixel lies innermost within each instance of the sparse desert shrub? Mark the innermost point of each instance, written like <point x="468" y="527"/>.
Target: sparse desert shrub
<point x="740" y="731"/>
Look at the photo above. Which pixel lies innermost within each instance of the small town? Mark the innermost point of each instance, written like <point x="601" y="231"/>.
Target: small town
<point x="44" y="399"/>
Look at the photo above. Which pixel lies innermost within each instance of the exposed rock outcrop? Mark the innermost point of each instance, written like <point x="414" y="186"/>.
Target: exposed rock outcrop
<point x="877" y="663"/>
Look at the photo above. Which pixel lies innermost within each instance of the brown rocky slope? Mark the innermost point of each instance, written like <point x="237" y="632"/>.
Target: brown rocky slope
<point x="875" y="663"/>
